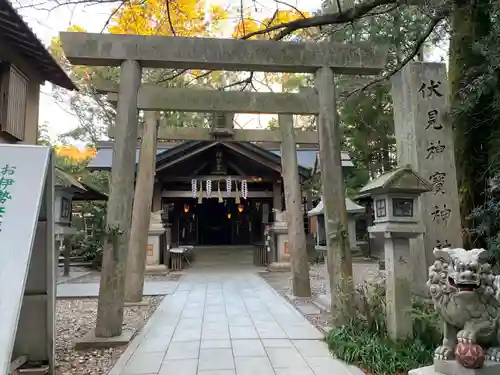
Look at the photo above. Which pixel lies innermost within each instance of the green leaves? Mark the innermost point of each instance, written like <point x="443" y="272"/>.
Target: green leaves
<point x="364" y="341"/>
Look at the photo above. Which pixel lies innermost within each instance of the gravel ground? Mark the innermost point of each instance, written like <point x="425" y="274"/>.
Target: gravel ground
<point x="95" y="276"/>
<point x="74" y="318"/>
<point x="281" y="282"/>
<point x="362" y="272"/>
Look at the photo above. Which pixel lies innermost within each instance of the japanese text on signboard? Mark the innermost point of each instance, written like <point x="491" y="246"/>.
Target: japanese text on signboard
<point x="7" y="180"/>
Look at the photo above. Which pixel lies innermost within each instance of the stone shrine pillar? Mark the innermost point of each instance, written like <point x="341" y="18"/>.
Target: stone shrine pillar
<point x="141" y="211"/>
<point x="120" y="202"/>
<point x="425" y="141"/>
<point x="295" y="247"/>
<point x="279" y="231"/>
<point x="156" y="229"/>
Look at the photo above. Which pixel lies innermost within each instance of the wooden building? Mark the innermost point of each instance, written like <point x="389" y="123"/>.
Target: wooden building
<point x="25" y="64"/>
<point x="225" y="219"/>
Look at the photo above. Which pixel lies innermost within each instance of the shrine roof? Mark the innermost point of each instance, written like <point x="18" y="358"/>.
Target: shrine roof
<point x="15" y="32"/>
<point x="81" y="191"/>
<point x="103" y="159"/>
<point x="351" y="208"/>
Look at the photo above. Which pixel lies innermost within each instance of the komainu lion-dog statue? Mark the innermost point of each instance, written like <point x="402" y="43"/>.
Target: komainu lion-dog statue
<point x="465" y="292"/>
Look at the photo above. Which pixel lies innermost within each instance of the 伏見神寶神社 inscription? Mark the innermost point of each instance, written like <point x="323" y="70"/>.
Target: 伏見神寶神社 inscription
<point x="425" y="141"/>
<point x="440" y="213"/>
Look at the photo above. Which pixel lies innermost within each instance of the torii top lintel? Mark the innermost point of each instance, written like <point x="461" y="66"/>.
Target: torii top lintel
<point x="222" y="54"/>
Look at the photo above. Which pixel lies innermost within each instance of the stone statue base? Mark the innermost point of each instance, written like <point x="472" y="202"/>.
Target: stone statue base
<point x="157" y="270"/>
<point x="454" y="368"/>
<point x="279" y="267"/>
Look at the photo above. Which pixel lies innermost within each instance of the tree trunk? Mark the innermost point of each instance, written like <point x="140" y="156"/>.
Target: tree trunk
<point x="293" y="201"/>
<point x="470" y="21"/>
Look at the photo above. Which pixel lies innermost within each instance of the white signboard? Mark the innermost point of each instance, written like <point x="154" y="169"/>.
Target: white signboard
<point x="23" y="173"/>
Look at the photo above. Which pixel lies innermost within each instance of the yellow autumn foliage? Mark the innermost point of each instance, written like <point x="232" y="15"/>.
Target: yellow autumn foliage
<point x="166" y="17"/>
<point x="250" y="24"/>
<point x="74" y="153"/>
<point x="186" y="18"/>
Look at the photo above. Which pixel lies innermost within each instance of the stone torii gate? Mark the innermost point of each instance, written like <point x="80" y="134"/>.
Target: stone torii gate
<point x="132" y="53"/>
<point x="223" y="105"/>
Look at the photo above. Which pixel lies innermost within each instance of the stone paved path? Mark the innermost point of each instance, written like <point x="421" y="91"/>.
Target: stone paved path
<point x="74" y="275"/>
<point x="227" y="323"/>
<point x="89" y="290"/>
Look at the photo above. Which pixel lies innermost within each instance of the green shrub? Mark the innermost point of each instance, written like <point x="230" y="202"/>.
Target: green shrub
<point x="364" y="342"/>
<point x="92" y="251"/>
<point x="358" y="345"/>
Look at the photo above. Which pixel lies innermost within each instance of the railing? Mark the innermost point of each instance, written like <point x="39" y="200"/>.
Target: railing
<point x="260" y="255"/>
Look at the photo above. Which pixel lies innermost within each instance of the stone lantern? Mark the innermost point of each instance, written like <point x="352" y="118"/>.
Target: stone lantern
<point x="353" y="211"/>
<point x="397" y="220"/>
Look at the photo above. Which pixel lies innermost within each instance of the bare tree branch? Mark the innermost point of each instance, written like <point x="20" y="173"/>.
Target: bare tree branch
<point x="246" y="81"/>
<point x="170" y="18"/>
<point x="106" y="24"/>
<point x="345" y="16"/>
<point x="58" y="4"/>
<point x="414" y="52"/>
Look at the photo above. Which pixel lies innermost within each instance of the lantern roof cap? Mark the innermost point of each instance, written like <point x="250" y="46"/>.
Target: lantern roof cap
<point x="401" y="180"/>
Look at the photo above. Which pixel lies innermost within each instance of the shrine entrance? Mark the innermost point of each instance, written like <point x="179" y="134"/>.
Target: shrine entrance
<point x="220" y="193"/>
<point x="215" y="222"/>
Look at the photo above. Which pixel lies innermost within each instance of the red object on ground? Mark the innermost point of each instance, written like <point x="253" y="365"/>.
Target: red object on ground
<point x="469" y="355"/>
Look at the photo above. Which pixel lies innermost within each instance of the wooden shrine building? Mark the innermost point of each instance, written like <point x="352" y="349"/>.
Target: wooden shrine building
<point x="25" y="64"/>
<point x="221" y="219"/>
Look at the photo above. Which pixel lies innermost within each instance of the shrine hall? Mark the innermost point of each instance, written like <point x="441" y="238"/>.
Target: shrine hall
<point x="215" y="192"/>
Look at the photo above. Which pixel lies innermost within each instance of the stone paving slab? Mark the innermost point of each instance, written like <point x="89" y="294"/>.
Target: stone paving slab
<point x="73" y="275"/>
<point x="90" y="290"/>
<point x="227" y="324"/>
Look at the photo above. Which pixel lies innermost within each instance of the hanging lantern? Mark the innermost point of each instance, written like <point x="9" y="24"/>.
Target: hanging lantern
<point x="240" y="208"/>
<point x="244" y="189"/>
<point x="186" y="208"/>
<point x="229" y="215"/>
<point x="229" y="186"/>
<point x="209" y="188"/>
<point x="194" y="187"/>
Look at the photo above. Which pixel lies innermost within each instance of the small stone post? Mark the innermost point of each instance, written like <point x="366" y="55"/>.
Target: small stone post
<point x="336" y="223"/>
<point x="136" y="261"/>
<point x="301" y="286"/>
<point x="398" y="292"/>
<point x="119" y="215"/>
